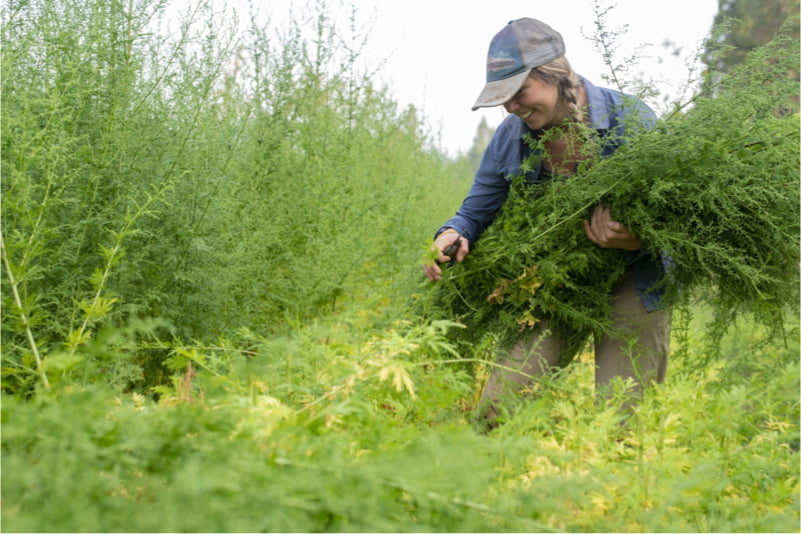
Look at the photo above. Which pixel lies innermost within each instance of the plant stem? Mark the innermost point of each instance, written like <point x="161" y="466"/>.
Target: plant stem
<point x="24" y="316"/>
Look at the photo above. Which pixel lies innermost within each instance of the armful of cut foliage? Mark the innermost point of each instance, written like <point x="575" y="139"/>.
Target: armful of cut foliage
<point x="712" y="191"/>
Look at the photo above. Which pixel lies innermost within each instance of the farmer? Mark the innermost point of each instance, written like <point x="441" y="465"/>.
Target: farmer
<point x="528" y="74"/>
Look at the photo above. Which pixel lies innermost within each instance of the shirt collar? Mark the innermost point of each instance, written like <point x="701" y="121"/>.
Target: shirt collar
<point x="599" y="118"/>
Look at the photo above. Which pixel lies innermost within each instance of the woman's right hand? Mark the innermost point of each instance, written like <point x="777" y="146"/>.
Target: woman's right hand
<point x="433" y="270"/>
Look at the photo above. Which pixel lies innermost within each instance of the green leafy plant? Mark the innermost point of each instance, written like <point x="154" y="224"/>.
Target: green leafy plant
<point x="228" y="449"/>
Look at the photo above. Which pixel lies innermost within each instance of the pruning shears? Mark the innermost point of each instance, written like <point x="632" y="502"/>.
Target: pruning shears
<point x="452" y="249"/>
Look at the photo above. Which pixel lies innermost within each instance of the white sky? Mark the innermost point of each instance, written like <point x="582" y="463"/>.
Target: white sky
<point x="440" y="48"/>
<point x="434" y="51"/>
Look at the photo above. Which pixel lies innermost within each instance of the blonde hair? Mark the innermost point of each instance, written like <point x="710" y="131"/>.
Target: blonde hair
<point x="558" y="73"/>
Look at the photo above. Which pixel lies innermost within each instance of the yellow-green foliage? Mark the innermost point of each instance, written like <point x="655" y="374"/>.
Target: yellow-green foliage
<point x="358" y="429"/>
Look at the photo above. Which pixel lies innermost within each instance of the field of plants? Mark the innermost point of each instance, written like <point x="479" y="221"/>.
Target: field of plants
<point x="214" y="317"/>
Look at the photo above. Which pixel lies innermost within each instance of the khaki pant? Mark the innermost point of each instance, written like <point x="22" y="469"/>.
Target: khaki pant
<point x="636" y="347"/>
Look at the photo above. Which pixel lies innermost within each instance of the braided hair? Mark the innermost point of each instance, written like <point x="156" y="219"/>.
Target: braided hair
<point x="560" y="74"/>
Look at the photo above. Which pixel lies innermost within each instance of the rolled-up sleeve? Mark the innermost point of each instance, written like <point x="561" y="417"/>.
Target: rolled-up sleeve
<point x="490" y="185"/>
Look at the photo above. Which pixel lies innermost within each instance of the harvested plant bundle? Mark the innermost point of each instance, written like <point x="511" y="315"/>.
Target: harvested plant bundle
<point x="713" y="192"/>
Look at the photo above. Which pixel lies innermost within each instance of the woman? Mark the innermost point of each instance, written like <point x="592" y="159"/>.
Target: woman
<point x="528" y="74"/>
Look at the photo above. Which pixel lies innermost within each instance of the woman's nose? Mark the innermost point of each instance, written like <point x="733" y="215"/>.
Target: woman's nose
<point x="511" y="105"/>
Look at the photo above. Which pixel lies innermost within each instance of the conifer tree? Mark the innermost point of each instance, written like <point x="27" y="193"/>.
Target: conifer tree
<point x="480" y="141"/>
<point x="752" y="23"/>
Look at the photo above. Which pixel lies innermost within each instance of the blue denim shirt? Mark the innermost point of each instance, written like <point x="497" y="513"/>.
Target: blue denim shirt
<point x="609" y="113"/>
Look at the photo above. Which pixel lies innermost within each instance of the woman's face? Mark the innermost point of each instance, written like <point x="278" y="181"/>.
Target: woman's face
<point x="537" y="103"/>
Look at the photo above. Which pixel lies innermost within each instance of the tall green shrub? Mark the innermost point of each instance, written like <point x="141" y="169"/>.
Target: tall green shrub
<point x="208" y="178"/>
<point x="327" y="196"/>
<point x="105" y="166"/>
<point x="76" y="175"/>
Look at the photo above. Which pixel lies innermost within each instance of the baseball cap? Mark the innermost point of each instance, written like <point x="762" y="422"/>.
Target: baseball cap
<point x="519" y="47"/>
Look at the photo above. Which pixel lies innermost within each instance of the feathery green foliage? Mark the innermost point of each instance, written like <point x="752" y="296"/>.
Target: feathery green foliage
<point x="208" y="180"/>
<point x="209" y="242"/>
<point x="332" y="442"/>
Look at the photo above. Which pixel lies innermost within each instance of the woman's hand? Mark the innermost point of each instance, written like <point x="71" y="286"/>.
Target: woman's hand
<point x="443" y="240"/>
<point x="606" y="233"/>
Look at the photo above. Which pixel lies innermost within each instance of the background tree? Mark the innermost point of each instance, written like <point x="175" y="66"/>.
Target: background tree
<point x="480" y="141"/>
<point x="752" y="23"/>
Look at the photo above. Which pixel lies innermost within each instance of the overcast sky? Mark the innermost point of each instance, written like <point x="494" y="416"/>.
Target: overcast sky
<point x="434" y="51"/>
<point x="439" y="48"/>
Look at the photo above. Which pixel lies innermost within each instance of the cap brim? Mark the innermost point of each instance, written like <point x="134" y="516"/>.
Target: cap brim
<point x="501" y="91"/>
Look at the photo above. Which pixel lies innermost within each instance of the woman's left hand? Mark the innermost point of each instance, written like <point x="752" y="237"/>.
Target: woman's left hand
<point x="606" y="233"/>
